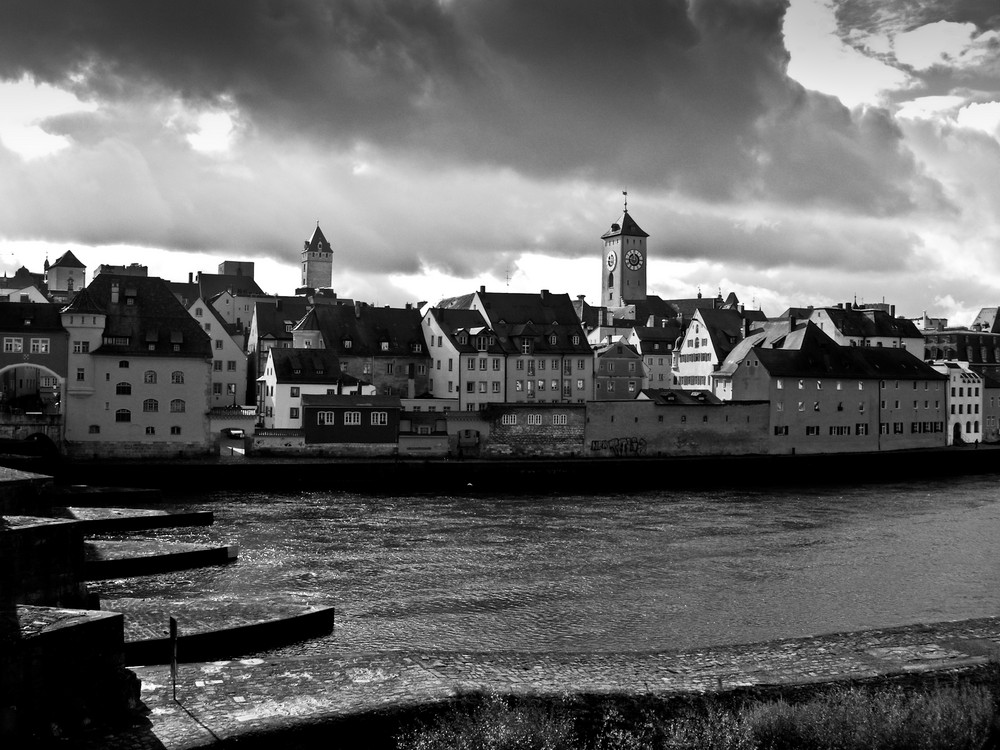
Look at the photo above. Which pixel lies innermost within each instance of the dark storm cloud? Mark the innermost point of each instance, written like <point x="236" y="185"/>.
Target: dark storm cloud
<point x="652" y="93"/>
<point x="905" y="15"/>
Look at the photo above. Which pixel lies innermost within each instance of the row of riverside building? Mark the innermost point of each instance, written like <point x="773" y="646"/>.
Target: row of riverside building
<point x="136" y="366"/>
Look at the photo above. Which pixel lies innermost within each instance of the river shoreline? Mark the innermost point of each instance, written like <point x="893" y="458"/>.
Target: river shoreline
<point x="585" y="475"/>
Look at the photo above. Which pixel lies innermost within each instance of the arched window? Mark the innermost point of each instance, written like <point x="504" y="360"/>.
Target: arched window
<point x="69" y="284"/>
<point x="123" y="389"/>
<point x="123" y="415"/>
<point x="611" y="280"/>
<point x="177" y="405"/>
<point x="176" y="377"/>
<point x="150" y="404"/>
<point x="149" y="376"/>
<point x="123" y="363"/>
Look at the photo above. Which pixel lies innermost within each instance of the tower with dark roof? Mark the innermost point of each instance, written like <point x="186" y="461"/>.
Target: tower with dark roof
<point x="623" y="278"/>
<point x="317" y="261"/>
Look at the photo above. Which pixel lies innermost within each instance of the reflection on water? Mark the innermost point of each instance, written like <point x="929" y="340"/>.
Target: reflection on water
<point x="627" y="572"/>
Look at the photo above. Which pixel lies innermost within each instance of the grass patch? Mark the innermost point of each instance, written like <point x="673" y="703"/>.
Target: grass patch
<point x="952" y="716"/>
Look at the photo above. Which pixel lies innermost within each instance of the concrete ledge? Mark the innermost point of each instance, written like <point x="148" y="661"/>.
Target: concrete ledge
<point x="114" y="520"/>
<point x="135" y="558"/>
<point x="229" y="643"/>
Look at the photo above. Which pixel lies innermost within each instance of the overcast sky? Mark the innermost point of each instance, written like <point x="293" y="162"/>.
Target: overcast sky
<point x="796" y="153"/>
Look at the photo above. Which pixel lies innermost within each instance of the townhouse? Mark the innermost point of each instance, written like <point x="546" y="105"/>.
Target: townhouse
<point x="620" y="372"/>
<point x="139" y="371"/>
<point x="468" y="361"/>
<point x="229" y="361"/>
<point x="966" y="402"/>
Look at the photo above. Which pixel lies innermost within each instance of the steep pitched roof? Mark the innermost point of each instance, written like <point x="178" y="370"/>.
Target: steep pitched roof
<point x="871" y="323"/>
<point x="276" y="318"/>
<point x="471" y="323"/>
<point x="309" y="366"/>
<point x="987" y="320"/>
<point x="317" y="243"/>
<point x="725" y="329"/>
<point x="536" y="315"/>
<point x="624" y="227"/>
<point x="67" y="260"/>
<point x="147" y="319"/>
<point x="368" y="328"/>
<point x="84" y="302"/>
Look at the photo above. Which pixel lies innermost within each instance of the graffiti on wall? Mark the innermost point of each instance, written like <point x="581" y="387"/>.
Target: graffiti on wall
<point x="619" y="447"/>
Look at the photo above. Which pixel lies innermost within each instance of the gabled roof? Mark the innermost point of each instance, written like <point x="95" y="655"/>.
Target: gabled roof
<point x="30" y="316"/>
<point x="870" y="323"/>
<point x="987" y="320"/>
<point x="539" y="316"/>
<point x="367" y="328"/>
<point x="471" y="323"/>
<point x="275" y="318"/>
<point x="67" y="260"/>
<point x="624" y="227"/>
<point x="230" y="328"/>
<point x="463" y="302"/>
<point x="308" y="366"/>
<point x="154" y="317"/>
<point x="725" y="329"/>
<point x="620" y="348"/>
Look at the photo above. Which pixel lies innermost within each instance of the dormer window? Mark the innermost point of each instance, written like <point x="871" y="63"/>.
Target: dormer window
<point x="576" y="339"/>
<point x="482" y="343"/>
<point x="416" y="348"/>
<point x="525" y="346"/>
<point x="385" y="346"/>
<point x="553" y="339"/>
<point x="463" y="339"/>
<point x="348" y="343"/>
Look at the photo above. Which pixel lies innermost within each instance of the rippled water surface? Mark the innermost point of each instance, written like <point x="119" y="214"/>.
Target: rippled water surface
<point x="626" y="572"/>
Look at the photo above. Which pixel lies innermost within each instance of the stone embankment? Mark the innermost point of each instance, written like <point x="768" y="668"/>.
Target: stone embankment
<point x="243" y="700"/>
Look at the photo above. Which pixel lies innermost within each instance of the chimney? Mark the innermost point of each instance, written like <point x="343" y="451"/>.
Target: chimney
<point x="357" y="309"/>
<point x="409" y="305"/>
<point x="651" y="321"/>
<point x="482" y="289"/>
<point x="545" y="296"/>
<point x="190" y="278"/>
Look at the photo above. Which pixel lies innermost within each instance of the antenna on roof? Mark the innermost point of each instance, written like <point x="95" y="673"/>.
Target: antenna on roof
<point x="508" y="276"/>
<point x="625" y="193"/>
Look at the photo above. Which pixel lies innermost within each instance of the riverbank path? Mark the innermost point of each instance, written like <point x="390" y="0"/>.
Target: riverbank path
<point x="224" y="701"/>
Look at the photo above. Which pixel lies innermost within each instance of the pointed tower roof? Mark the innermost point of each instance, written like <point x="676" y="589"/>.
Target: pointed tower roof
<point x="85" y="303"/>
<point x="317" y="243"/>
<point x="624" y="227"/>
<point x="67" y="260"/>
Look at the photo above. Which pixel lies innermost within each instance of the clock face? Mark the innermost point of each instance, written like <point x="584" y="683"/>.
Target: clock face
<point x="612" y="260"/>
<point x="633" y="259"/>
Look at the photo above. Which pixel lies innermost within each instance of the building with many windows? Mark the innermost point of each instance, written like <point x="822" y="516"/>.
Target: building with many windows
<point x="468" y="360"/>
<point x="966" y="401"/>
<point x="229" y="361"/>
<point x="620" y="372"/>
<point x="139" y="371"/>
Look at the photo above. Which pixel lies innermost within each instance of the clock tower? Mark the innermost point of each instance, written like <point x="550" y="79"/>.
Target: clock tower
<point x="624" y="272"/>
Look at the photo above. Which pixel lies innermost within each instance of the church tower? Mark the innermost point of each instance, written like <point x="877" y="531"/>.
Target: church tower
<point x="624" y="274"/>
<point x="317" y="262"/>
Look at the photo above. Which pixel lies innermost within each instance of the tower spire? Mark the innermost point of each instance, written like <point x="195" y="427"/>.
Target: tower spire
<point x="625" y="193"/>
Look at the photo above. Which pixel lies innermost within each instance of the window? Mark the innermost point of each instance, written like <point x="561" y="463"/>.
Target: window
<point x="177" y="405"/>
<point x="217" y="389"/>
<point x="293" y="412"/>
<point x="496" y="364"/>
<point x="579" y="384"/>
<point x="198" y="312"/>
<point x="123" y="364"/>
<point x="781" y="429"/>
<point x="861" y="429"/>
<point x="508" y="419"/>
<point x="150" y="404"/>
<point x="812" y="430"/>
<point x="230" y="389"/>
<point x="39" y="346"/>
<point x="80" y="374"/>
<point x="385" y="346"/>
<point x="123" y="415"/>
<point x="231" y="365"/>
<point x="81" y="347"/>
<point x="11" y="344"/>
<point x="352" y="418"/>
<point x="779" y="384"/>
<point x="218" y="343"/>
<point x="534" y="419"/>
<point x="780" y="406"/>
<point x="177" y="377"/>
<point x="390" y="368"/>
<point x="348" y="343"/>
<point x="559" y="419"/>
<point x="217" y="365"/>
<point x="380" y="418"/>
<point x="325" y="418"/>
<point x="482" y="386"/>
<point x="150" y="430"/>
<point x="470" y="363"/>
<point x="526" y="346"/>
<point x="470" y="386"/>
<point x="94" y="429"/>
<point x="482" y="364"/>
<point x="294" y="391"/>
<point x="123" y="389"/>
<point x="175" y="430"/>
<point x="149" y="376"/>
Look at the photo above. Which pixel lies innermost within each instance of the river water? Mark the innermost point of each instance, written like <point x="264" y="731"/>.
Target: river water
<point x="628" y="572"/>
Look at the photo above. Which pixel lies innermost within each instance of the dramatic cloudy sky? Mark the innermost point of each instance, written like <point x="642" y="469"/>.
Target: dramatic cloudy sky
<point x="800" y="152"/>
